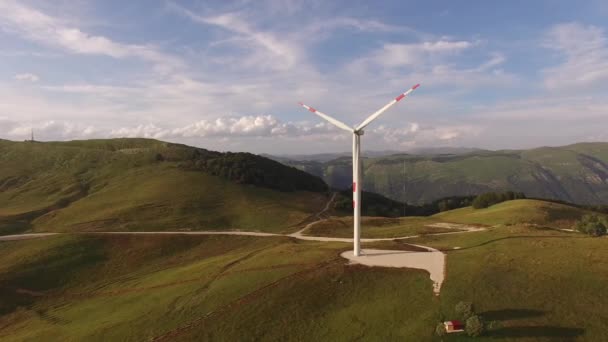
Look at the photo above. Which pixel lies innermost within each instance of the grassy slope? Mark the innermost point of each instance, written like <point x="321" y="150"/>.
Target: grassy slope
<point x="525" y="211"/>
<point x="517" y="211"/>
<point x="538" y="285"/>
<point x="376" y="227"/>
<point x="134" y="288"/>
<point x="120" y="185"/>
<point x="168" y="199"/>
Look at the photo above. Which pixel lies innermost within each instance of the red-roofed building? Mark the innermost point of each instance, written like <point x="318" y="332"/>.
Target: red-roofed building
<point x="453" y="326"/>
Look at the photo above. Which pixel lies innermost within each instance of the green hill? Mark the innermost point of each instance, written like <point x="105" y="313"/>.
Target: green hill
<point x="576" y="173"/>
<point x="523" y="211"/>
<point x="231" y="288"/>
<point x="142" y="184"/>
<point x="534" y="284"/>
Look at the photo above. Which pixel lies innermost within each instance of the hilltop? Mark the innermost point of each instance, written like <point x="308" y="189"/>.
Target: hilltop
<point x="575" y="173"/>
<point x="144" y="184"/>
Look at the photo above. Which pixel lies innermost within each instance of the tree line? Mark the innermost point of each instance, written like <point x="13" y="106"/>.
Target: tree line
<point x="490" y="198"/>
<point x="377" y="205"/>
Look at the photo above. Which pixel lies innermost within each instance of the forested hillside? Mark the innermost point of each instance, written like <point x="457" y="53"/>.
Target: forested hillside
<point x="576" y="173"/>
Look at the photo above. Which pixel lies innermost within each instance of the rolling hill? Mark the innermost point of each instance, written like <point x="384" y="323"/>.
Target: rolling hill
<point x="522" y="211"/>
<point x="575" y="173"/>
<point x="533" y="284"/>
<point x="142" y="184"/>
<point x="526" y="212"/>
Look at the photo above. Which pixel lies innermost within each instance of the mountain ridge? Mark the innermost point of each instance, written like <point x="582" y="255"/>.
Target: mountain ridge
<point x="576" y="173"/>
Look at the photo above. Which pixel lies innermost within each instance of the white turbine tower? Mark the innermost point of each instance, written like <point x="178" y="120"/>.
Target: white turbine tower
<point x="357" y="133"/>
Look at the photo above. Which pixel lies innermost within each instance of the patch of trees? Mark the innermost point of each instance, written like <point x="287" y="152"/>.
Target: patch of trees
<point x="374" y="204"/>
<point x="474" y="324"/>
<point x="454" y="202"/>
<point x="598" y="208"/>
<point x="491" y="198"/>
<point x="247" y="168"/>
<point x="243" y="168"/>
<point x="592" y="224"/>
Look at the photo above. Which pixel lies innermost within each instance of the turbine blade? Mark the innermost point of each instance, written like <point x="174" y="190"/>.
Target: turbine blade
<point x="328" y="118"/>
<point x="385" y="108"/>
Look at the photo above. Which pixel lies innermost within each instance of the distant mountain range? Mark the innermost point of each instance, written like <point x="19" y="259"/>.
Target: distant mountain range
<point x="325" y="157"/>
<point x="575" y="173"/>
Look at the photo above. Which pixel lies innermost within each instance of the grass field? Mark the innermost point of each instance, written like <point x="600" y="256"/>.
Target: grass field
<point x="170" y="199"/>
<point x="376" y="227"/>
<point x="532" y="212"/>
<point x="517" y="212"/>
<point x="229" y="288"/>
<point x="536" y="284"/>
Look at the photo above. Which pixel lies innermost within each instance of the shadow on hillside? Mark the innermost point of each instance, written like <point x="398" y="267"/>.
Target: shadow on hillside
<point x="52" y="319"/>
<point x="516" y="237"/>
<point x="526" y="331"/>
<point x="537" y="331"/>
<point x="9" y="227"/>
<point x="509" y="314"/>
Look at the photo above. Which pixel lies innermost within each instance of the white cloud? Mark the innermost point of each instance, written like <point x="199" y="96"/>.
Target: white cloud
<point x="29" y="77"/>
<point x="261" y="126"/>
<point x="496" y="60"/>
<point x="258" y="126"/>
<point x="431" y="63"/>
<point x="39" y="27"/>
<point x="48" y="130"/>
<point x="415" y="134"/>
<point x="393" y="55"/>
<point x="586" y="56"/>
<point x="322" y="29"/>
<point x="259" y="63"/>
<point x="574" y="108"/>
<point x="140" y="131"/>
<point x="268" y="50"/>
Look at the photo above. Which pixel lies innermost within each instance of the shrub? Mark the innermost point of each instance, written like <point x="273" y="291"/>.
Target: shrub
<point x="593" y="225"/>
<point x="440" y="329"/>
<point x="464" y="310"/>
<point x="475" y="326"/>
<point x="491" y="198"/>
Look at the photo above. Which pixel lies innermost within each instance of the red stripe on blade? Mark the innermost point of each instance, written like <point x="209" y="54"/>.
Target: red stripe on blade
<point x="399" y="97"/>
<point x="354" y="186"/>
<point x="312" y="109"/>
<point x="416" y="86"/>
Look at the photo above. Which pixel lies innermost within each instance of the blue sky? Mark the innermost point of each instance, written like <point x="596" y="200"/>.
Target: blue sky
<point x="228" y="75"/>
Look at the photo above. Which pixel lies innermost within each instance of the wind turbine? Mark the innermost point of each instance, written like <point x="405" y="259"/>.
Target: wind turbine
<point x="357" y="133"/>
